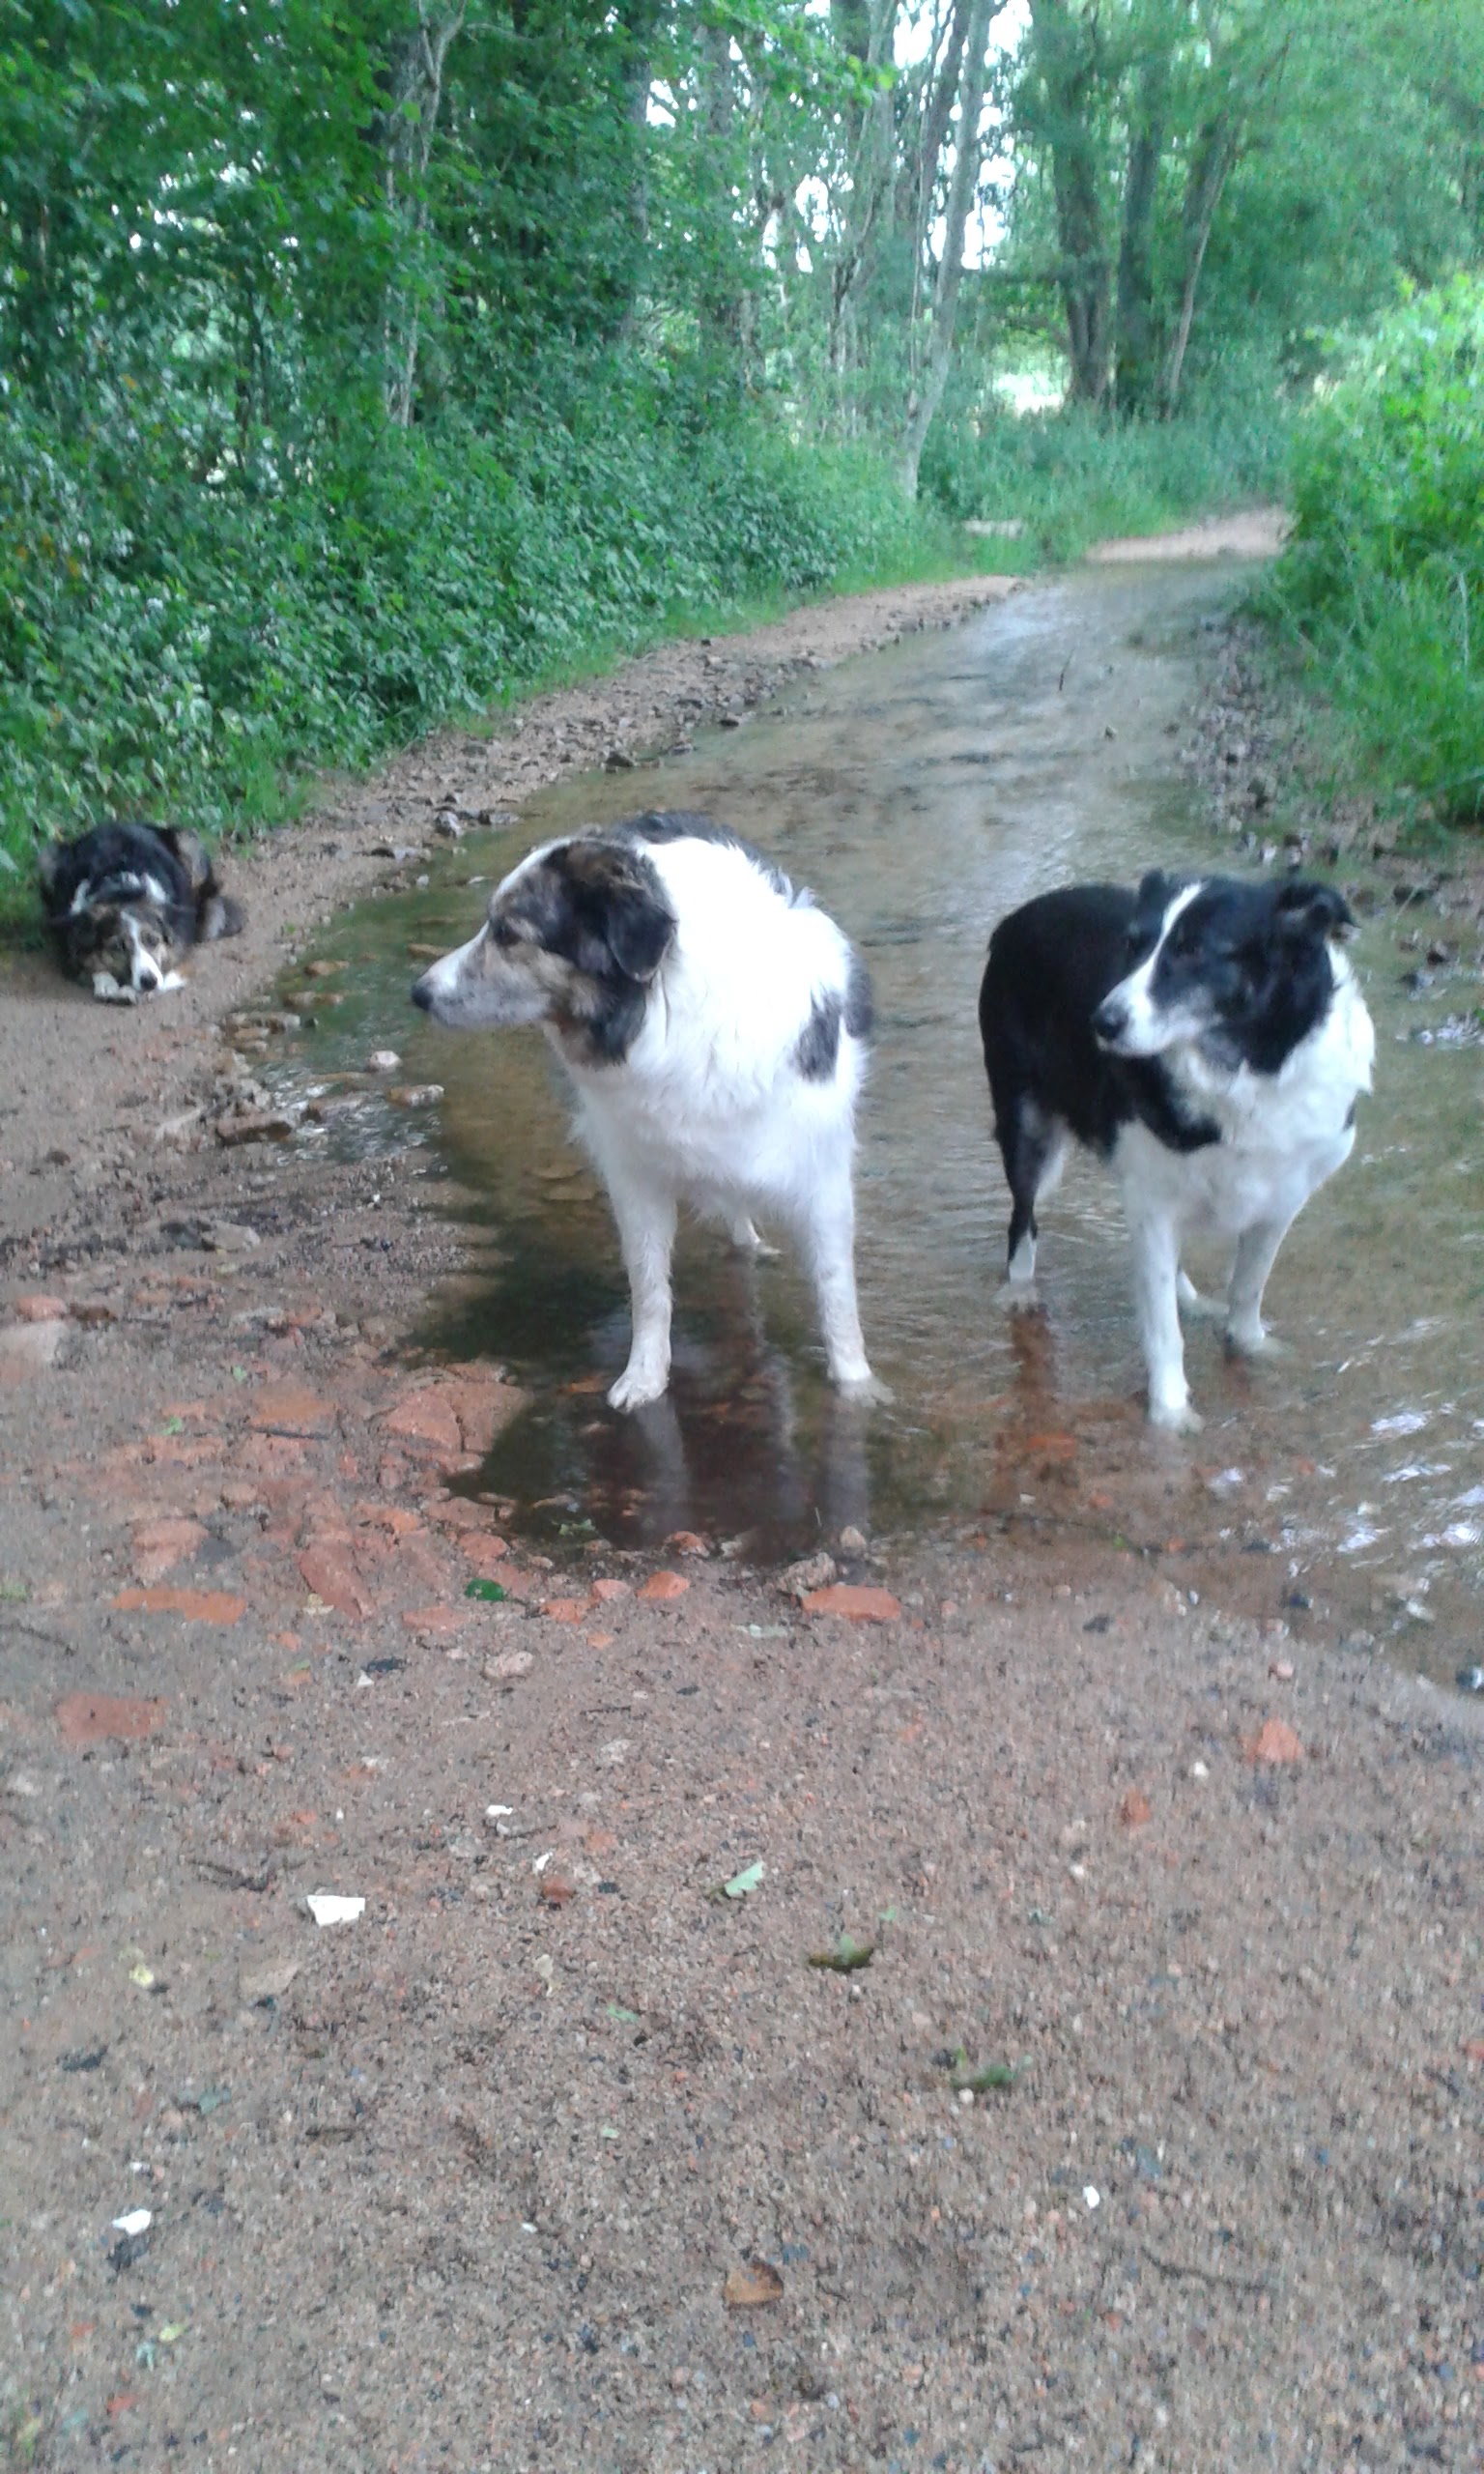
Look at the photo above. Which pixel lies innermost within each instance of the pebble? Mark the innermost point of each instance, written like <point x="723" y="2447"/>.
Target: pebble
<point x="383" y="1060"/>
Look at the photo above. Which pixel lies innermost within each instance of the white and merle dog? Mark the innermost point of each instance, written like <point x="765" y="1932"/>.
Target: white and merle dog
<point x="125" y="902"/>
<point x="1206" y="1037"/>
<point x="713" y="1024"/>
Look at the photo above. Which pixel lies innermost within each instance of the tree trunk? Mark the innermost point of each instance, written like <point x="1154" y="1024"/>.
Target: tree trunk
<point x="967" y="161"/>
<point x="417" y="94"/>
<point x="1215" y="151"/>
<point x="868" y="27"/>
<point x="1065" y="56"/>
<point x="1135" y="359"/>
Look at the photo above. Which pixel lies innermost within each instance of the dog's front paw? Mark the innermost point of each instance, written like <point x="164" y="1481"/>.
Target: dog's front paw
<point x="637" y="1386"/>
<point x="867" y="1386"/>
<point x="1175" y="1417"/>
<point x="1257" y="1343"/>
<point x="1017" y="1297"/>
<point x="112" y="991"/>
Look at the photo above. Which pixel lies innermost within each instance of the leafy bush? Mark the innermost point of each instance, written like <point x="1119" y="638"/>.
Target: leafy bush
<point x="173" y="643"/>
<point x="1384" y="578"/>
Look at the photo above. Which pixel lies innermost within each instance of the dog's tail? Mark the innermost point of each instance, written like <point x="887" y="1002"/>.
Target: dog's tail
<point x="219" y="916"/>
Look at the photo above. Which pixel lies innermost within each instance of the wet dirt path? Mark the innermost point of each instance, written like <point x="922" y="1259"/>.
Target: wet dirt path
<point x="555" y="2156"/>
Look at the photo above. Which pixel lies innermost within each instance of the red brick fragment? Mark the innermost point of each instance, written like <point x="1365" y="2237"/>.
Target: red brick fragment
<point x="1275" y="1741"/>
<point x="158" y="1545"/>
<point x="425" y="1416"/>
<point x="855" y="1600"/>
<point x="331" y="1576"/>
<point x="94" y="1717"/>
<point x="38" y="1308"/>
<point x="604" y="1591"/>
<point x="565" y="1610"/>
<point x="661" y="1587"/>
<point x="1135" y="1810"/>
<point x="200" y="1605"/>
<point x="292" y="1409"/>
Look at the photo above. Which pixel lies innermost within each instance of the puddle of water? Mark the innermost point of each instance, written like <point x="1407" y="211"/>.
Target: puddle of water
<point x="923" y="791"/>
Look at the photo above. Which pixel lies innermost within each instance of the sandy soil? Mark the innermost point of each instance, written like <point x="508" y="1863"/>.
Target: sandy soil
<point x="553" y="2157"/>
<point x="1257" y="533"/>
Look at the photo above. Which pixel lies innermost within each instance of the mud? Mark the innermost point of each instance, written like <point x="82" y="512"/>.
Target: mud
<point x="483" y="2177"/>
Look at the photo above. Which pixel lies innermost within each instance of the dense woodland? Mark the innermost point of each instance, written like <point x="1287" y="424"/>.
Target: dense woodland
<point x="358" y="365"/>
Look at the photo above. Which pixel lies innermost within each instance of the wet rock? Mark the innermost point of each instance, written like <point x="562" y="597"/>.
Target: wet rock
<point x="415" y="1095"/>
<point x="256" y="1124"/>
<point x="383" y="1060"/>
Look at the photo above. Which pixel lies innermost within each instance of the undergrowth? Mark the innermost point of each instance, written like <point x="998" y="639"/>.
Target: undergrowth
<point x="1382" y="587"/>
<point x="193" y="639"/>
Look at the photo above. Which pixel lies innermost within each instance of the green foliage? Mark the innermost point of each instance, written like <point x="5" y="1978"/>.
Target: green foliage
<point x="1385" y="575"/>
<point x="1075" y="476"/>
<point x="175" y="647"/>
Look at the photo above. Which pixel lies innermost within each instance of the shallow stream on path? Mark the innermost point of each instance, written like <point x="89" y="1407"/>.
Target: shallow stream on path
<point x="923" y="792"/>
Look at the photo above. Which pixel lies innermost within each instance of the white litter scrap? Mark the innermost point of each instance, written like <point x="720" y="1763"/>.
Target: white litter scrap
<point x="326" y="1906"/>
<point x="138" y="2221"/>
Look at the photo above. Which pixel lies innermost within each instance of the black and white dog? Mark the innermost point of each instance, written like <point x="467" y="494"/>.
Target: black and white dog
<point x="1208" y="1039"/>
<point x="713" y="1024"/>
<point x="125" y="902"/>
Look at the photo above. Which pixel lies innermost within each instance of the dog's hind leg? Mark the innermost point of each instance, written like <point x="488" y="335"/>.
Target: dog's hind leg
<point x="827" y="1227"/>
<point x="1256" y="1251"/>
<point x="744" y="1236"/>
<point x="646" y="1234"/>
<point x="1033" y="1150"/>
<point x="1202" y="1309"/>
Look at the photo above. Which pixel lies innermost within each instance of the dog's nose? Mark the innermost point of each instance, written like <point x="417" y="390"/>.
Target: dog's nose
<point x="422" y="994"/>
<point x="1108" y="1019"/>
<point x="146" y="976"/>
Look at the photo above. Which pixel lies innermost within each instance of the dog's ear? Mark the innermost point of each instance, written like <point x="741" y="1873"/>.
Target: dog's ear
<point x="622" y="901"/>
<point x="1157" y="890"/>
<point x="1306" y="909"/>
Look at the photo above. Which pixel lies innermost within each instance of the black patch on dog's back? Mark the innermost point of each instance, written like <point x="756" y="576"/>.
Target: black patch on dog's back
<point x="818" y="1042"/>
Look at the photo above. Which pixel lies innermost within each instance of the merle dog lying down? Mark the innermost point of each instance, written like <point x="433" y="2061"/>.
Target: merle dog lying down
<point x="1204" y="1037"/>
<point x="125" y="902"/>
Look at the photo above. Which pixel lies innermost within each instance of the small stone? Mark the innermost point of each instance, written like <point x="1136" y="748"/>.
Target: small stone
<point x="1135" y="1810"/>
<point x="752" y="2287"/>
<point x="37" y="1308"/>
<point x="383" y="1060"/>
<point x="510" y="1663"/>
<point x="852" y="1541"/>
<point x="160" y="1545"/>
<point x="565" y="1610"/>
<point x="604" y="1591"/>
<point x="229" y="1237"/>
<point x="812" y="1572"/>
<point x="415" y="1095"/>
<point x="1281" y="1670"/>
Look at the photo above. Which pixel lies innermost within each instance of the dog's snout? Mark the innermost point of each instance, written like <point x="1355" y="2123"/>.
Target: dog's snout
<point x="422" y="994"/>
<point x="1109" y="1019"/>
